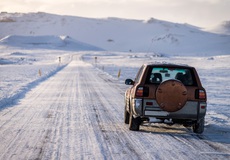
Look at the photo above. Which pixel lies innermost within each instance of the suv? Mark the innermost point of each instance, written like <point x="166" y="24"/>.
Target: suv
<point x="168" y="93"/>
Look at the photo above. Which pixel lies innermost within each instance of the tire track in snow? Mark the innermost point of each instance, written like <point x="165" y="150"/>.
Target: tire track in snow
<point x="60" y="137"/>
<point x="16" y="133"/>
<point x="110" y="120"/>
<point x="29" y="112"/>
<point x="105" y="122"/>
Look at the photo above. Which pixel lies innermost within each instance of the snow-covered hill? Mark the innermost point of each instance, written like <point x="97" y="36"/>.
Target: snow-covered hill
<point x="47" y="42"/>
<point x="116" y="34"/>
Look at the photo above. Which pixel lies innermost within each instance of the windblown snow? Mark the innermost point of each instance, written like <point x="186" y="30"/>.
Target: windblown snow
<point x="61" y="96"/>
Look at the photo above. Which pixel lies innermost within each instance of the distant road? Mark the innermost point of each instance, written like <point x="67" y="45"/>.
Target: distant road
<point x="78" y="114"/>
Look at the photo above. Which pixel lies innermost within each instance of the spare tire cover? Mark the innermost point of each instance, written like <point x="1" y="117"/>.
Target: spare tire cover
<point x="171" y="95"/>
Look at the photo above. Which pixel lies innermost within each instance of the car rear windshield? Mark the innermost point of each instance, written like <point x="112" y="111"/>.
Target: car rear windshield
<point x="157" y="75"/>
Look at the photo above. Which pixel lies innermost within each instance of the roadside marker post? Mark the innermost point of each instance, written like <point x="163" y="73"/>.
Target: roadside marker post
<point x="95" y="60"/>
<point x="119" y="73"/>
<point x="40" y="72"/>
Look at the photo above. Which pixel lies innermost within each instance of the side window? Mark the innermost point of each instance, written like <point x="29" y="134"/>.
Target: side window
<point x="138" y="76"/>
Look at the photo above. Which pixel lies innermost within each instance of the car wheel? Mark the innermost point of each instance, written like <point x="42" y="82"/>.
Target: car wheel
<point x="134" y="123"/>
<point x="126" y="116"/>
<point x="199" y="126"/>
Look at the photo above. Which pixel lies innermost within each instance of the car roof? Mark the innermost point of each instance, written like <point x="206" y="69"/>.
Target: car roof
<point x="166" y="64"/>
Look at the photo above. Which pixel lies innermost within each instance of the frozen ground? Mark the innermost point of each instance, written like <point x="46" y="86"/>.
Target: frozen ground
<point x="22" y="70"/>
<point x="74" y="110"/>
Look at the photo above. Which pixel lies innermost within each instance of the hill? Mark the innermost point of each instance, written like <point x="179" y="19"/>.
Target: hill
<point x="115" y="34"/>
<point x="47" y="42"/>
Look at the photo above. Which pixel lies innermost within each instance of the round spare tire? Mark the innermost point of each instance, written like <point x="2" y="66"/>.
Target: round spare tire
<point x="171" y="95"/>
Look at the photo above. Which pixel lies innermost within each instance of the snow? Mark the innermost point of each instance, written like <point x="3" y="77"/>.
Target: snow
<point x="115" y="34"/>
<point x="46" y="42"/>
<point x="61" y="101"/>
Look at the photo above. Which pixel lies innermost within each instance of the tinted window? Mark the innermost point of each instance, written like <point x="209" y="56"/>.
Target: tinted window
<point x="157" y="75"/>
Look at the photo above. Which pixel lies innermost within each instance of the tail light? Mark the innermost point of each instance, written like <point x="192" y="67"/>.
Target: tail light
<point x="142" y="92"/>
<point x="200" y="94"/>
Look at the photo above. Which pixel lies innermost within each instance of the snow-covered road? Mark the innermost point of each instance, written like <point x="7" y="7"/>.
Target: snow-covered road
<point x="78" y="114"/>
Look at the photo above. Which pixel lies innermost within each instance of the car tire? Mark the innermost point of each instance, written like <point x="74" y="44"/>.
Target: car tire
<point x="126" y="116"/>
<point x="199" y="126"/>
<point x="134" y="123"/>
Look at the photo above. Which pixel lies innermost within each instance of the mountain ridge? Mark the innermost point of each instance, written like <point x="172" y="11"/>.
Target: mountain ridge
<point x="47" y="42"/>
<point x="116" y="34"/>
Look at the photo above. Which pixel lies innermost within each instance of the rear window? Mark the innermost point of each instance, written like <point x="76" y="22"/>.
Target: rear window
<point x="157" y="75"/>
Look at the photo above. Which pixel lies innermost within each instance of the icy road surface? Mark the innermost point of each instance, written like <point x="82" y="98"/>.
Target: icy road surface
<point x="78" y="114"/>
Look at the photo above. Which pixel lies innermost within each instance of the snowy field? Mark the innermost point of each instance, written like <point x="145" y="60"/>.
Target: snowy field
<point x="23" y="71"/>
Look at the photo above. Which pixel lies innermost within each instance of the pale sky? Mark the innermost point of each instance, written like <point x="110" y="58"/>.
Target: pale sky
<point x="202" y="13"/>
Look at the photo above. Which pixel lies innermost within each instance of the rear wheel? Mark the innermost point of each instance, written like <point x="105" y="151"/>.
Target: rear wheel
<point x="199" y="126"/>
<point x="126" y="116"/>
<point x="134" y="123"/>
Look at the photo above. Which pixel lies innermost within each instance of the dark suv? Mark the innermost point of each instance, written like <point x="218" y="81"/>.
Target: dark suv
<point x="170" y="93"/>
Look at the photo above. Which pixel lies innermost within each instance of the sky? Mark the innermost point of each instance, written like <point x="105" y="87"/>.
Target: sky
<point x="201" y="13"/>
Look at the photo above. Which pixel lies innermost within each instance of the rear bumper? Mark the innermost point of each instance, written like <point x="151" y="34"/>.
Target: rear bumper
<point x="192" y="110"/>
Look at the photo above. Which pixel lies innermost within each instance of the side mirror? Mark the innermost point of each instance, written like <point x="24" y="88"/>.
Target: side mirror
<point x="129" y="82"/>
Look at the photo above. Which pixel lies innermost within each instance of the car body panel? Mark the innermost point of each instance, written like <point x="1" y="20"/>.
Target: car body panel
<point x="142" y="100"/>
